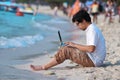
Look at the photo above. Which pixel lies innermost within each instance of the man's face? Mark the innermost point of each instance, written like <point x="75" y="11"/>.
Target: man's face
<point x="81" y="25"/>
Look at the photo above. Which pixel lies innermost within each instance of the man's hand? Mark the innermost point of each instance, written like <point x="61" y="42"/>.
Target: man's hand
<point x="71" y="44"/>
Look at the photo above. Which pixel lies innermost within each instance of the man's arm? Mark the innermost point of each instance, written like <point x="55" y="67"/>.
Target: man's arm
<point x="85" y="48"/>
<point x="90" y="48"/>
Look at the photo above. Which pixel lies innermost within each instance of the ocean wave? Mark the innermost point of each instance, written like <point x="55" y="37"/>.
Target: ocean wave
<point x="44" y="26"/>
<point x="57" y="20"/>
<point x="19" y="41"/>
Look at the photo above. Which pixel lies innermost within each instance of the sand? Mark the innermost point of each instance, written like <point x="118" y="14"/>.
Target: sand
<point x="47" y="10"/>
<point x="70" y="71"/>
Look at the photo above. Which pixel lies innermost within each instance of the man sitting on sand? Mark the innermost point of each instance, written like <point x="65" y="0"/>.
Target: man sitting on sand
<point x="90" y="55"/>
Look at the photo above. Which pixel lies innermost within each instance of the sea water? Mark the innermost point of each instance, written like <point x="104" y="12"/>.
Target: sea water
<point x="27" y="37"/>
<point x="21" y="31"/>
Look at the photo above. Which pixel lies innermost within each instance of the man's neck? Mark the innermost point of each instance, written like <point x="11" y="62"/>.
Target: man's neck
<point x="87" y="24"/>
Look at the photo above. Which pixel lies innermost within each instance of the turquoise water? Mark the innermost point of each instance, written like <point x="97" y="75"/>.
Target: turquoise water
<point x="28" y="37"/>
<point x="16" y="31"/>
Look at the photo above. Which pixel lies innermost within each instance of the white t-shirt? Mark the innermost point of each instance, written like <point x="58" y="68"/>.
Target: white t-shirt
<point x="95" y="37"/>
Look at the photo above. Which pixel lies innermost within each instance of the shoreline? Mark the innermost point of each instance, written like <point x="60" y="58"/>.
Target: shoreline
<point x="47" y="10"/>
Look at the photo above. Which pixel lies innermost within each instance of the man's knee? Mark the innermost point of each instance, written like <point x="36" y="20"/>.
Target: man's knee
<point x="62" y="54"/>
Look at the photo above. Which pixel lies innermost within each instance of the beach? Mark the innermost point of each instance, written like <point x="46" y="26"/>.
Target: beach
<point x="17" y="67"/>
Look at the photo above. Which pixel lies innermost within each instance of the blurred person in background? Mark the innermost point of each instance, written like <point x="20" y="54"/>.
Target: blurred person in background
<point x="55" y="11"/>
<point x="119" y="13"/>
<point x="94" y="11"/>
<point x="75" y="8"/>
<point x="110" y="10"/>
<point x="65" y="7"/>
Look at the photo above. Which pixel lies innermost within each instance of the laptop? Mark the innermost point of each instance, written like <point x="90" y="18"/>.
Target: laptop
<point x="60" y="38"/>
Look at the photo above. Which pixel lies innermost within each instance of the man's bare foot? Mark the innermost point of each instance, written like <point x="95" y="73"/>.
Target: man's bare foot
<point x="37" y="68"/>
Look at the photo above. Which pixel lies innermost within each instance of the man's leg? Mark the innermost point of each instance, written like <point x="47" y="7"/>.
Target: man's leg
<point x="59" y="58"/>
<point x="66" y="53"/>
<point x="50" y="64"/>
<point x="74" y="55"/>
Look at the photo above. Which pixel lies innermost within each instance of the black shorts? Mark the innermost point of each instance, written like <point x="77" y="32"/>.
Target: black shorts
<point x="93" y="14"/>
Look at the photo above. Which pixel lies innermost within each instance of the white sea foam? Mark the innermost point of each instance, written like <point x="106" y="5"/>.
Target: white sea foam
<point x="19" y="41"/>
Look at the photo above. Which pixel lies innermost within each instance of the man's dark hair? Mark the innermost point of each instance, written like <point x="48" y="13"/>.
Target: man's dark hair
<point x="80" y="16"/>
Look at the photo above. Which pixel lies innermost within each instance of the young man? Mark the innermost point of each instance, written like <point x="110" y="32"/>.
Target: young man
<point x="90" y="55"/>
